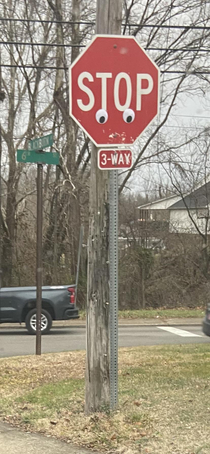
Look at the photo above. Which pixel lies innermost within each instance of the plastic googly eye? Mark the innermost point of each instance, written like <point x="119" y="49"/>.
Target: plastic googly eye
<point x="101" y="116"/>
<point x="128" y="115"/>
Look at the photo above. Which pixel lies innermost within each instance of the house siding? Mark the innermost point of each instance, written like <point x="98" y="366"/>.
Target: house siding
<point x="180" y="222"/>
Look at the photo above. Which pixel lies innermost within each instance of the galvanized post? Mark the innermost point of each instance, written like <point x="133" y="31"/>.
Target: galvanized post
<point x="39" y="258"/>
<point x="113" y="259"/>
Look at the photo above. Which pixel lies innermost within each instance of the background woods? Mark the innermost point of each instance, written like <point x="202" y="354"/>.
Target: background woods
<point x="38" y="42"/>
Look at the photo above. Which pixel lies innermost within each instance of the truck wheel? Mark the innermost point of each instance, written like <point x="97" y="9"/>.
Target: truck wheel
<point x="46" y="321"/>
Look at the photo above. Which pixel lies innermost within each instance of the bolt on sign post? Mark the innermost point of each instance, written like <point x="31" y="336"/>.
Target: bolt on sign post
<point x="40" y="157"/>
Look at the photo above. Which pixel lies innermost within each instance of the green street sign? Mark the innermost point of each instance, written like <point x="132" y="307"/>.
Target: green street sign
<point x="41" y="142"/>
<point x="45" y="157"/>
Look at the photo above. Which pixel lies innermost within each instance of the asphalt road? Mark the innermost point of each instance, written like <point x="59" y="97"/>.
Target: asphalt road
<point x="16" y="342"/>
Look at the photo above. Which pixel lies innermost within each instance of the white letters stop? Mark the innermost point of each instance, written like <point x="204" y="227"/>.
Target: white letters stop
<point x="122" y="76"/>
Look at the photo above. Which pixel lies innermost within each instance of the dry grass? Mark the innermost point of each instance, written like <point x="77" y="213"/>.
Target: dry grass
<point x="164" y="405"/>
<point x="162" y="313"/>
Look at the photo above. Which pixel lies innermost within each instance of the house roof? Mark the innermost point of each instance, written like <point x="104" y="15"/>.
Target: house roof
<point x="200" y="198"/>
<point x="160" y="204"/>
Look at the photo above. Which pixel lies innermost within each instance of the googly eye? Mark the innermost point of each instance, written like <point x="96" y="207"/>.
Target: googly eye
<point x="128" y="115"/>
<point x="101" y="116"/>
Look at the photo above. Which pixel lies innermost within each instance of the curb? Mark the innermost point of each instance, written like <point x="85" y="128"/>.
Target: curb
<point x="125" y="323"/>
<point x="15" y="440"/>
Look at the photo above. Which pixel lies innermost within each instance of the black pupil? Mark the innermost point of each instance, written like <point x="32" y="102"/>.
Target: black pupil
<point x="102" y="119"/>
<point x="129" y="119"/>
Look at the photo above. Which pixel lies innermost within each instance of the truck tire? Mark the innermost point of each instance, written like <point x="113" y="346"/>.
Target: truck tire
<point x="46" y="322"/>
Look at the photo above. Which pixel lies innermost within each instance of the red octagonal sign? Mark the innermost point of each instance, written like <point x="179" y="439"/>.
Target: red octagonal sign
<point x="114" y="90"/>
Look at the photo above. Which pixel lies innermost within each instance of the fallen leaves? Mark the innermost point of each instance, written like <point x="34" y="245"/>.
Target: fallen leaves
<point x="113" y="436"/>
<point x="137" y="403"/>
<point x="153" y="393"/>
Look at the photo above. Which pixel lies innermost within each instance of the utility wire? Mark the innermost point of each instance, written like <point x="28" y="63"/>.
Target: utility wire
<point x="178" y="27"/>
<point x="182" y="27"/>
<point x="164" y="49"/>
<point x="189" y="73"/>
<point x="19" y="43"/>
<point x="10" y="19"/>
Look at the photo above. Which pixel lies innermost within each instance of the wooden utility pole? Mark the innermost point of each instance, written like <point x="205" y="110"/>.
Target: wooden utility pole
<point x="108" y="21"/>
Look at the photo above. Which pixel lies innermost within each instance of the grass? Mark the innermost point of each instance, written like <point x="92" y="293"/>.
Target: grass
<point x="162" y="313"/>
<point x="163" y="400"/>
<point x="157" y="313"/>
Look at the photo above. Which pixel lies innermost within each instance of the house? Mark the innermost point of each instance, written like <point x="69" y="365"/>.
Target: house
<point x="191" y="212"/>
<point x="157" y="210"/>
<point x="183" y="214"/>
<point x="153" y="222"/>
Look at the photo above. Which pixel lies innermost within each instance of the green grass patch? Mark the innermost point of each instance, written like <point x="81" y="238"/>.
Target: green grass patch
<point x="162" y="313"/>
<point x="55" y="395"/>
<point x="163" y="399"/>
<point x="157" y="313"/>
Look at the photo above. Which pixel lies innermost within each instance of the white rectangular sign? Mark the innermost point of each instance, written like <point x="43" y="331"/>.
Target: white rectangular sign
<point x="114" y="159"/>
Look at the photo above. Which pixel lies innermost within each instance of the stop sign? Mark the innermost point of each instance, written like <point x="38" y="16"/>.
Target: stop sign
<point x="114" y="89"/>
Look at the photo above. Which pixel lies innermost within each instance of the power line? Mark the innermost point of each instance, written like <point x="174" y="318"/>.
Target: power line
<point x="194" y="72"/>
<point x="189" y="73"/>
<point x="44" y="21"/>
<point x="33" y="66"/>
<point x="19" y="43"/>
<point x="178" y="27"/>
<point x="178" y="49"/>
<point x="164" y="49"/>
<point x="191" y="116"/>
<point x="91" y="23"/>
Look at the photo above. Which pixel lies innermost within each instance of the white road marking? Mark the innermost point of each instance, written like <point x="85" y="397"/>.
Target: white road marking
<point x="179" y="332"/>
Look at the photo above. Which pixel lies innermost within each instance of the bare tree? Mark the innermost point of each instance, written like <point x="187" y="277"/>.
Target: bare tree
<point x="38" y="42"/>
<point x="38" y="97"/>
<point x="190" y="180"/>
<point x="175" y="36"/>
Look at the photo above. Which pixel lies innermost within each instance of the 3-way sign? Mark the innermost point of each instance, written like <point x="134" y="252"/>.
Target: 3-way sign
<point x="114" y="159"/>
<point x="114" y="89"/>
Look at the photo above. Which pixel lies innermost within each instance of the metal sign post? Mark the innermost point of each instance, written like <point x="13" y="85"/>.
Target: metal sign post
<point x="39" y="258"/>
<point x="113" y="159"/>
<point x="113" y="270"/>
<point x="35" y="154"/>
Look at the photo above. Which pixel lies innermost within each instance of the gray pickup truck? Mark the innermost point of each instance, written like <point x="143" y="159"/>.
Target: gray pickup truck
<point x="18" y="305"/>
